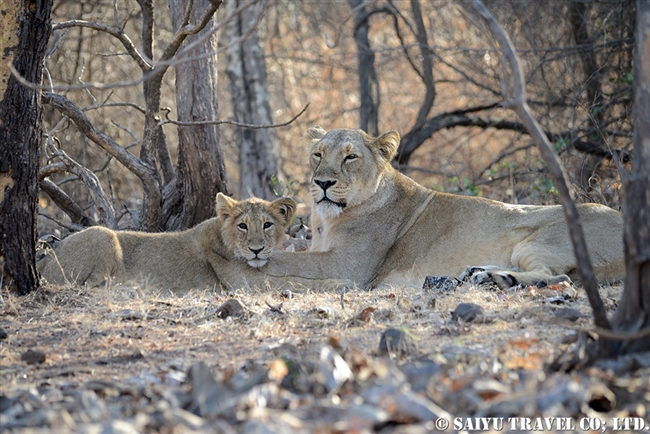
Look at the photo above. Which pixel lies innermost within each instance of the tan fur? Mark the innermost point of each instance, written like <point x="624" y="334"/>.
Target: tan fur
<point x="374" y="225"/>
<point x="211" y="254"/>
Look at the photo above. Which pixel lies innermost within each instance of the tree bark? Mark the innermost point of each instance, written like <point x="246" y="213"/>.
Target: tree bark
<point x="259" y="153"/>
<point x="633" y="313"/>
<point x="368" y="82"/>
<point x="26" y="29"/>
<point x="201" y="171"/>
<point x="578" y="12"/>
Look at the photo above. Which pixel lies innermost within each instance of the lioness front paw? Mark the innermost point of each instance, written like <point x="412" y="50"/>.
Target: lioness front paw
<point x="489" y="274"/>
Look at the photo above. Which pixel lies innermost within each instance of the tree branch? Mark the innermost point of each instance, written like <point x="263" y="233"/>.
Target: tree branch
<point x="237" y="124"/>
<point x="65" y="202"/>
<point x="115" y="32"/>
<point x="514" y="92"/>
<point x="66" y="107"/>
<point x="142" y="171"/>
<point x="104" y="206"/>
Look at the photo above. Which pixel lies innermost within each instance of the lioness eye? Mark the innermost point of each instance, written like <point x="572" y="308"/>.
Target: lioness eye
<point x="317" y="155"/>
<point x="267" y="225"/>
<point x="351" y="157"/>
<point x="243" y="226"/>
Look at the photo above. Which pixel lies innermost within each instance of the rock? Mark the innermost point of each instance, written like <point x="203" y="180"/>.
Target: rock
<point x="396" y="342"/>
<point x="231" y="307"/>
<point x="128" y="315"/>
<point x="468" y="312"/>
<point x="323" y="312"/>
<point x="402" y="405"/>
<point x="440" y="283"/>
<point x="418" y="373"/>
<point x="3" y="333"/>
<point x="333" y="368"/>
<point x="33" y="357"/>
<point x="569" y="314"/>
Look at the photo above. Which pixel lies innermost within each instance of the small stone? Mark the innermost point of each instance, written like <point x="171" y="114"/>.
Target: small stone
<point x="440" y="283"/>
<point x="468" y="312"/>
<point x="33" y="357"/>
<point x="231" y="307"/>
<point x="569" y="314"/>
<point x="128" y="315"/>
<point x="396" y="342"/>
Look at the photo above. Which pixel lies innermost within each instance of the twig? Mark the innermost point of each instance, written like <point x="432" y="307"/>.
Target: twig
<point x="113" y="31"/>
<point x="339" y="29"/>
<point x="160" y="67"/>
<point x="616" y="336"/>
<point x="514" y="92"/>
<point x="71" y="227"/>
<point x="91" y="182"/>
<point x="237" y="124"/>
<point x="276" y="309"/>
<point x="67" y="108"/>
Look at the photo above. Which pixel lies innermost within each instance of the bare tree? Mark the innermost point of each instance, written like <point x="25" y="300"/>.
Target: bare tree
<point x="201" y="172"/>
<point x="514" y="89"/>
<point x="258" y="149"/>
<point x="631" y="322"/>
<point x="368" y="82"/>
<point x="633" y="313"/>
<point x="585" y="115"/>
<point x="169" y="200"/>
<point x="25" y="32"/>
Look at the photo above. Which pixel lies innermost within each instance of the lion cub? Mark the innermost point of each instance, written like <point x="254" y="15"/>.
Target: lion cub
<point x="206" y="256"/>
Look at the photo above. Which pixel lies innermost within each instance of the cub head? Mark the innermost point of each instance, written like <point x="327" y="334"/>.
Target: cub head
<point x="347" y="167"/>
<point x="252" y="228"/>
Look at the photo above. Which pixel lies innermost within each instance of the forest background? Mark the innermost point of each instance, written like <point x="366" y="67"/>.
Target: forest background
<point x="421" y="68"/>
<point x="150" y="108"/>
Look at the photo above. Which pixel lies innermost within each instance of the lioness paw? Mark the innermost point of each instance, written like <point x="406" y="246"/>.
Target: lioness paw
<point x="489" y="275"/>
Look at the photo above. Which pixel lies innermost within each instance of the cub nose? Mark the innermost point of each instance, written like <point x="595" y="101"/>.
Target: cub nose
<point x="324" y="184"/>
<point x="256" y="251"/>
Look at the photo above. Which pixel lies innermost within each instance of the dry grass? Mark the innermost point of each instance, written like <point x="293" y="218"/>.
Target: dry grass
<point x="119" y="332"/>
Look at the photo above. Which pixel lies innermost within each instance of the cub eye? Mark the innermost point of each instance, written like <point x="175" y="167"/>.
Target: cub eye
<point x="242" y="226"/>
<point x="351" y="157"/>
<point x="267" y="225"/>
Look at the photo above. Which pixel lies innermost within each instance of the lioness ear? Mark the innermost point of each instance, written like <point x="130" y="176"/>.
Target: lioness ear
<point x="316" y="133"/>
<point x="387" y="144"/>
<point x="285" y="207"/>
<point x="225" y="205"/>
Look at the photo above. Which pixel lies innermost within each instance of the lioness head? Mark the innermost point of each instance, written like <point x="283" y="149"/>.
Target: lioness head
<point x="252" y="228"/>
<point x="347" y="167"/>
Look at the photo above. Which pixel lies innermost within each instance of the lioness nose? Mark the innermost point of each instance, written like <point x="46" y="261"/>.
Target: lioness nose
<point x="256" y="251"/>
<point x="324" y="184"/>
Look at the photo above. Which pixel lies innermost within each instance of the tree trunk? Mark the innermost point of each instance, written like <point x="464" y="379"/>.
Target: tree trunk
<point x="368" y="82"/>
<point x="259" y="153"/>
<point x="578" y="16"/>
<point x="25" y="33"/>
<point x="201" y="172"/>
<point x="633" y="312"/>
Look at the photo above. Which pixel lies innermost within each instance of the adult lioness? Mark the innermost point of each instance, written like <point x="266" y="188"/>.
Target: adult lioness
<point x="374" y="225"/>
<point x="212" y="253"/>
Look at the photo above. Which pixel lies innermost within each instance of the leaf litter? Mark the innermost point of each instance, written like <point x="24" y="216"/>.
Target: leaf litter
<point x="133" y="359"/>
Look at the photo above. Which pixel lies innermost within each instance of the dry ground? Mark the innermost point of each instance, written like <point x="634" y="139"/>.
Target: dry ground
<point x="117" y="359"/>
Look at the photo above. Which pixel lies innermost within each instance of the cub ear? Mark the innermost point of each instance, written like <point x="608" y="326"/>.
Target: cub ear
<point x="285" y="207"/>
<point x="225" y="206"/>
<point x="316" y="133"/>
<point x="387" y="144"/>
